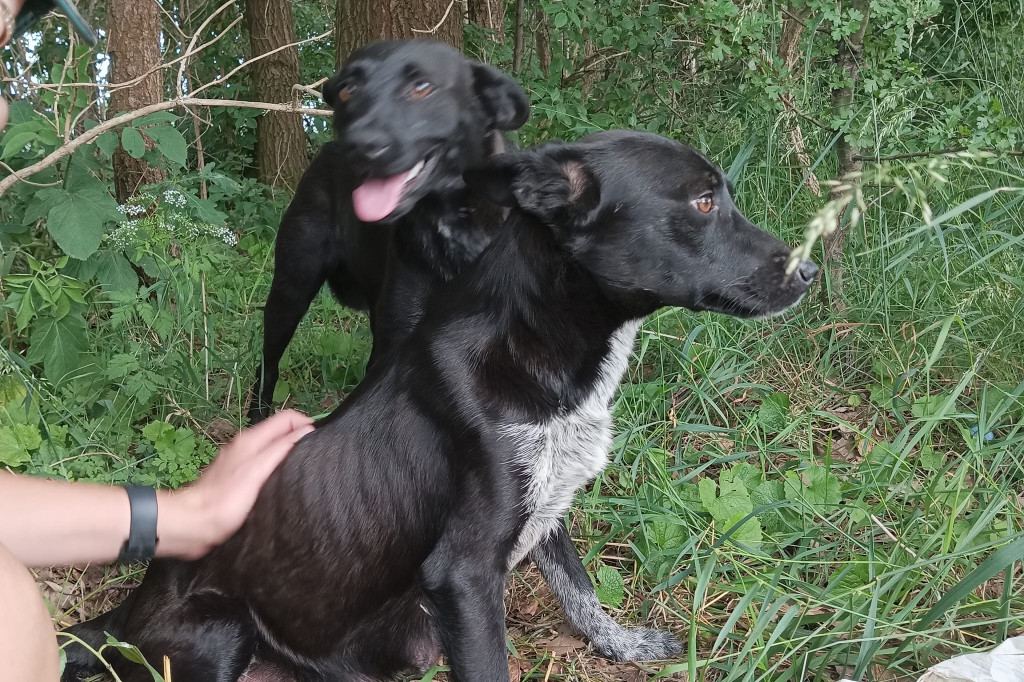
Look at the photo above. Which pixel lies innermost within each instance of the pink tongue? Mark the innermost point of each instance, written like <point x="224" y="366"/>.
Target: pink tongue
<point x="376" y="198"/>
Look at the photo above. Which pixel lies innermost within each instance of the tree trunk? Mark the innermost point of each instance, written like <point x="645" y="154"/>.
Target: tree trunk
<point x="489" y="14"/>
<point x="280" y="139"/>
<point x="542" y="40"/>
<point x="848" y="57"/>
<point x="363" y="21"/>
<point x="133" y="43"/>
<point x="520" y="40"/>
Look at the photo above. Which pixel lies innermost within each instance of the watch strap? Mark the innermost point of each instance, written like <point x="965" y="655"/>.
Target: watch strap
<point x="142" y="539"/>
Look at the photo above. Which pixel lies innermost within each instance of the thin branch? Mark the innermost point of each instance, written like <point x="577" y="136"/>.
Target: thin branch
<point x="810" y="119"/>
<point x="111" y="87"/>
<point x="312" y="89"/>
<point x="438" y="24"/>
<point x="192" y="43"/>
<point x="93" y="133"/>
<point x="936" y="152"/>
<point x="29" y="182"/>
<point x="247" y="62"/>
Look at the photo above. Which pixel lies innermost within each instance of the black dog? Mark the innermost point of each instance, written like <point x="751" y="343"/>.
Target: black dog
<point x="411" y="117"/>
<point x="389" y="532"/>
<point x="382" y="214"/>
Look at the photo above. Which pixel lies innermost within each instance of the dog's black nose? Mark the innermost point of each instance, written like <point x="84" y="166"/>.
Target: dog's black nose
<point x="369" y="145"/>
<point x="807" y="270"/>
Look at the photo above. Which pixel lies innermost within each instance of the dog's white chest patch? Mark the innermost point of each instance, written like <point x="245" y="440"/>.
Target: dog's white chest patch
<point x="566" y="452"/>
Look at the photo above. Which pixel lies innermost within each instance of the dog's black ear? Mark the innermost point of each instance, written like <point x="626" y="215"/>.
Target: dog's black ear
<point x="504" y="101"/>
<point x="550" y="182"/>
<point x="330" y="91"/>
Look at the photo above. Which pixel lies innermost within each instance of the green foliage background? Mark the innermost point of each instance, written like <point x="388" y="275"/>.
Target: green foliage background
<point x="796" y="497"/>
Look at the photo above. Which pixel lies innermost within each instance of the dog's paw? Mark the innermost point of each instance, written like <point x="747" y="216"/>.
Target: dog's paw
<point x="638" y="644"/>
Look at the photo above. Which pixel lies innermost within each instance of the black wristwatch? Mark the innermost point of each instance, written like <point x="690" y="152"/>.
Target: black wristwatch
<point x="142" y="539"/>
<point x="34" y="10"/>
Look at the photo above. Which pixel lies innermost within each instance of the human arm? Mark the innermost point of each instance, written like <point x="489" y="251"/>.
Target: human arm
<point x="45" y="522"/>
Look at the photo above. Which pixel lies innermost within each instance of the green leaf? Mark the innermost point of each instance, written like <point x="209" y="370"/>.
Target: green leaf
<point x="881" y="395"/>
<point x="281" y="391"/>
<point x="114" y="272"/>
<point x="733" y="502"/>
<point x="817" y="487"/>
<point x="335" y="343"/>
<point x="928" y="405"/>
<point x="931" y="459"/>
<point x="773" y="415"/>
<point x="561" y="20"/>
<point x="13" y="144"/>
<point x="121" y="365"/>
<point x="76" y="221"/>
<point x="156" y="117"/>
<point x="766" y="493"/>
<point x="664" y="534"/>
<point x="170" y="142"/>
<point x="849" y="577"/>
<point x="15" y="443"/>
<point x="161" y="434"/>
<point x="60" y="345"/>
<point x="748" y="534"/>
<point x="610" y="588"/>
<point x="142" y="384"/>
<point x="26" y="310"/>
<point x="183" y="446"/>
<point x="28" y="436"/>
<point x="42" y="202"/>
<point x="134" y="145"/>
<point x="748" y="474"/>
<point x="12" y="389"/>
<point x="107" y="143"/>
<point x="133" y="654"/>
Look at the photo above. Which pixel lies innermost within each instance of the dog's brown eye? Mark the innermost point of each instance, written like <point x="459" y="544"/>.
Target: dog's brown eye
<point x="345" y="93"/>
<point x="705" y="204"/>
<point x="421" y="90"/>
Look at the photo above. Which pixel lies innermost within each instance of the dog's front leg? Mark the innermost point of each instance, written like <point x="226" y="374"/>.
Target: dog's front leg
<point x="294" y="287"/>
<point x="560" y="564"/>
<point x="466" y="593"/>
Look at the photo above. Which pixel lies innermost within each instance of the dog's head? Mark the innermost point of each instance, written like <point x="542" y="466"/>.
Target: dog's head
<point x="412" y="116"/>
<point x="652" y="220"/>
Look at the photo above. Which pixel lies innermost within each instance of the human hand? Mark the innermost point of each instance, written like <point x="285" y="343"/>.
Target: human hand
<point x="193" y="520"/>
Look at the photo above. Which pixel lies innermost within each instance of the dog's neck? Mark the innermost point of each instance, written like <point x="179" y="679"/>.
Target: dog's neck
<point x="556" y="323"/>
<point x="450" y="227"/>
<point x="446" y="231"/>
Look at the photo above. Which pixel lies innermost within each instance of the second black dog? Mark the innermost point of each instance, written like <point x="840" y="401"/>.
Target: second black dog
<point x="382" y="214"/>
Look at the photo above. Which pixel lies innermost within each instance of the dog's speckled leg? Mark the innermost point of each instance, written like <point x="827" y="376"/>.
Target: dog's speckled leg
<point x="561" y="567"/>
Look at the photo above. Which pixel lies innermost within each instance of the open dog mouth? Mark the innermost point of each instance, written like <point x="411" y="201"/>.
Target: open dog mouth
<point x="377" y="198"/>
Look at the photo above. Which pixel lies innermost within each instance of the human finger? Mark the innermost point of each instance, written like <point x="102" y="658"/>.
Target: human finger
<point x="277" y="425"/>
<point x="263" y="462"/>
